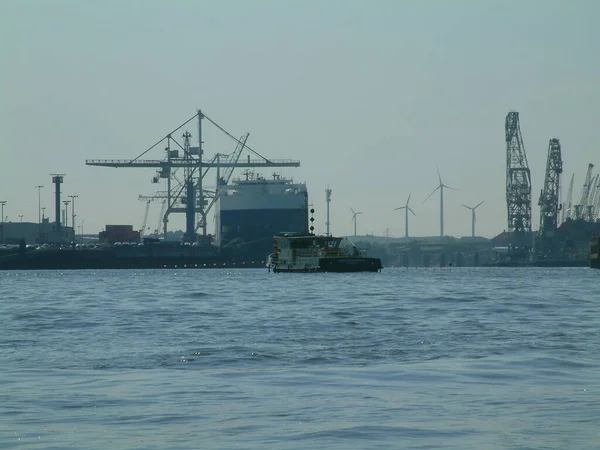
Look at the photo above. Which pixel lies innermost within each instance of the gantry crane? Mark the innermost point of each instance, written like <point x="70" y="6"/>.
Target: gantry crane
<point x="518" y="188"/>
<point x="188" y="195"/>
<point x="549" y="199"/>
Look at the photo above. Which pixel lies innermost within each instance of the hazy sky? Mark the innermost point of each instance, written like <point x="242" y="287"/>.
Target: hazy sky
<point x="369" y="95"/>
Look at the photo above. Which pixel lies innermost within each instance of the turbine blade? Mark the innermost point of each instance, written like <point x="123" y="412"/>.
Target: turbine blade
<point x="478" y="204"/>
<point x="433" y="192"/>
<point x="408" y="199"/>
<point x="439" y="176"/>
<point x="401" y="207"/>
<point x="450" y="187"/>
<point x="352" y="211"/>
<point x="468" y="207"/>
<point x="413" y="213"/>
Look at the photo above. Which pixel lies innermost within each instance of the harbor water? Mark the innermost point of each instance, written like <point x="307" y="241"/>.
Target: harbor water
<point x="461" y="358"/>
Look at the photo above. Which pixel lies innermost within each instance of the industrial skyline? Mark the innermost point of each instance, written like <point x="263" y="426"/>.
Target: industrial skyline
<point x="368" y="98"/>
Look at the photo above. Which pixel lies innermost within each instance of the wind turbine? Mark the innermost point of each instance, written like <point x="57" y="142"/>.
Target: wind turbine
<point x="406" y="209"/>
<point x="472" y="217"/>
<point x="441" y="187"/>
<point x="354" y="214"/>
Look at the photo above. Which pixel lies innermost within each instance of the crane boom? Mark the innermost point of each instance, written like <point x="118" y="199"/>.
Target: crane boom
<point x="161" y="218"/>
<point x="233" y="160"/>
<point x="596" y="204"/>
<point x="591" y="202"/>
<point x="580" y="208"/>
<point x="145" y="221"/>
<point x="568" y="205"/>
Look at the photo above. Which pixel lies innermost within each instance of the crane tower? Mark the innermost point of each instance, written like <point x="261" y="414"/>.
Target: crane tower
<point x="549" y="198"/>
<point x="518" y="188"/>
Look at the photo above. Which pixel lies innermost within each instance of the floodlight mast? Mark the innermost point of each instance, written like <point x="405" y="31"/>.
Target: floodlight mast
<point x="328" y="200"/>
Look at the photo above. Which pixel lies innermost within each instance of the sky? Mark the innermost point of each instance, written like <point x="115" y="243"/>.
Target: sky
<point x="369" y="96"/>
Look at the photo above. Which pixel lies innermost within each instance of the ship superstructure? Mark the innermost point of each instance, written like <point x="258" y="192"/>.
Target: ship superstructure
<point x="252" y="209"/>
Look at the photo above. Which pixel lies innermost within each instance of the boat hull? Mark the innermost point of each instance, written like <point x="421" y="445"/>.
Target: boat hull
<point x="335" y="265"/>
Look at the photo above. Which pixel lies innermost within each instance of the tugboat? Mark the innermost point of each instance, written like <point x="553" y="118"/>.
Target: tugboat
<point x="306" y="252"/>
<point x="595" y="252"/>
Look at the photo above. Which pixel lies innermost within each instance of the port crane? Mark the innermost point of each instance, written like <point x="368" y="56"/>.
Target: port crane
<point x="581" y="209"/>
<point x="518" y="189"/>
<point x="596" y="202"/>
<point x="189" y="196"/>
<point x="549" y="198"/>
<point x="145" y="221"/>
<point x="593" y="199"/>
<point x="568" y="204"/>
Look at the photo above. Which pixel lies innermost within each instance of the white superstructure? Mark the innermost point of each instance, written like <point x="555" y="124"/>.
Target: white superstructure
<point x="277" y="203"/>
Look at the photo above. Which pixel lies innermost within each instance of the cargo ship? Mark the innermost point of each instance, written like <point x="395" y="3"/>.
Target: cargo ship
<point x="252" y="209"/>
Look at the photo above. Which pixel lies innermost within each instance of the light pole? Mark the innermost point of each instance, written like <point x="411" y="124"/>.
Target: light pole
<point x="66" y="203"/>
<point x="2" y="203"/>
<point x="73" y="197"/>
<point x="43" y="218"/>
<point x="39" y="188"/>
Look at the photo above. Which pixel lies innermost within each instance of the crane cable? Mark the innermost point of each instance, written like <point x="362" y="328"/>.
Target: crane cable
<point x="188" y="121"/>
<point x="234" y="138"/>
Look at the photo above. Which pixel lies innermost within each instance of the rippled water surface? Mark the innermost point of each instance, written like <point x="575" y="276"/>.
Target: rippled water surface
<point x="409" y="358"/>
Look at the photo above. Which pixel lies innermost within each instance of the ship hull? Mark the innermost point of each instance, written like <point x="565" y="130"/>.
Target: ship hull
<point x="146" y="257"/>
<point x="247" y="235"/>
<point x="250" y="212"/>
<point x="350" y="264"/>
<point x="341" y="264"/>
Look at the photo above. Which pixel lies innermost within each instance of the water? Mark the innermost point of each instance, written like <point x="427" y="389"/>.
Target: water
<point x="413" y="359"/>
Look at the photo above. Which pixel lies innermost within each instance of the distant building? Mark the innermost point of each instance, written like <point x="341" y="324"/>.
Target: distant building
<point x="33" y="233"/>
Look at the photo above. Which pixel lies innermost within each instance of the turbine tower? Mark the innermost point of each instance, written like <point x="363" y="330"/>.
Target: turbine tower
<point x="518" y="187"/>
<point x="472" y="208"/>
<point x="354" y="214"/>
<point x="406" y="209"/>
<point x="441" y="187"/>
